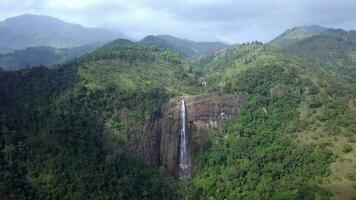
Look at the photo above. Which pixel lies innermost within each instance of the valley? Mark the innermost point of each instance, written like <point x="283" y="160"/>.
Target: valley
<point x="167" y="118"/>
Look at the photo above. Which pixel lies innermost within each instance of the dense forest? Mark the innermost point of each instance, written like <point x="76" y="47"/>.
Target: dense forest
<point x="65" y="131"/>
<point x="52" y="139"/>
<point x="42" y="56"/>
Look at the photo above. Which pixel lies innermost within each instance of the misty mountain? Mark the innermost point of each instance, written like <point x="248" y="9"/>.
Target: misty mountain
<point x="42" y="56"/>
<point x="296" y="34"/>
<point x="38" y="30"/>
<point x="185" y="47"/>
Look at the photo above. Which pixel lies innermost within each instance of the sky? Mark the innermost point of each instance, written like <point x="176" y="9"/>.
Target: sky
<point x="230" y="21"/>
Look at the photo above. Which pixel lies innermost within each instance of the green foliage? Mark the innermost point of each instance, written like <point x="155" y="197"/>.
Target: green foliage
<point x="296" y="34"/>
<point x="254" y="159"/>
<point x="289" y="195"/>
<point x="52" y="138"/>
<point x="186" y="48"/>
<point x="131" y="66"/>
<point x="347" y="148"/>
<point x="77" y="164"/>
<point x="64" y="131"/>
<point x="331" y="50"/>
<point x="41" y="56"/>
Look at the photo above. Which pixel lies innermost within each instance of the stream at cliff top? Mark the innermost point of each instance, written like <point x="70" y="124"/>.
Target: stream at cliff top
<point x="184" y="170"/>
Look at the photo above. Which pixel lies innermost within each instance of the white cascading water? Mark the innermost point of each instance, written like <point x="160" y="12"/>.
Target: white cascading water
<point x="183" y="155"/>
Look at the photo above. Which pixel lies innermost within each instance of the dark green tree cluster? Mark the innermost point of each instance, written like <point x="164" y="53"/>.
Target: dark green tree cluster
<point x="52" y="137"/>
<point x="254" y="158"/>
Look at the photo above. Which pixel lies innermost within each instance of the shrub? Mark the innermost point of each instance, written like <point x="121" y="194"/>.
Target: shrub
<point x="351" y="176"/>
<point x="347" y="148"/>
<point x="352" y="139"/>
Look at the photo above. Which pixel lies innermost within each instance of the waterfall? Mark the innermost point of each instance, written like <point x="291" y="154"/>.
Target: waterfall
<point x="184" y="170"/>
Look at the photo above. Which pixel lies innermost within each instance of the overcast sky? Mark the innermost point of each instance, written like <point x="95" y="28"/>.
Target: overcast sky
<point x="232" y="21"/>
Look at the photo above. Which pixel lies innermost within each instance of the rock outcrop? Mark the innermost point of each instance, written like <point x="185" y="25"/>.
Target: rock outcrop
<point x="160" y="144"/>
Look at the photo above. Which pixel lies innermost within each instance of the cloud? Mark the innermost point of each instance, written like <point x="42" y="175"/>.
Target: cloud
<point x="224" y="20"/>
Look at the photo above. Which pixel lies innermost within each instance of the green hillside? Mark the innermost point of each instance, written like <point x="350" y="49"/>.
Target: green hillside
<point x="296" y="34"/>
<point x="186" y="48"/>
<point x="62" y="113"/>
<point x="333" y="50"/>
<point x="42" y="56"/>
<point x="297" y="108"/>
<point x="65" y="131"/>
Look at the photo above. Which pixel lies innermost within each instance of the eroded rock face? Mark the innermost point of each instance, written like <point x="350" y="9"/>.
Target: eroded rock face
<point x="212" y="111"/>
<point x="160" y="144"/>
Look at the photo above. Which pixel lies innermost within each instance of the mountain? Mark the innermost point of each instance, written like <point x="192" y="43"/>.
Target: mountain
<point x="296" y="34"/>
<point x="185" y="47"/>
<point x="333" y="50"/>
<point x="42" y="56"/>
<point x="38" y="30"/>
<point x="261" y="123"/>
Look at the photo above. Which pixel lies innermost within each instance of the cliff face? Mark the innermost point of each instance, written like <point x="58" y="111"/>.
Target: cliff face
<point x="160" y="144"/>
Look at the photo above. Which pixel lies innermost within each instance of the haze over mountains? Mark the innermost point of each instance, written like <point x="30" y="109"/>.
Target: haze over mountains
<point x="37" y="30"/>
<point x="264" y="121"/>
<point x="42" y="56"/>
<point x="51" y="40"/>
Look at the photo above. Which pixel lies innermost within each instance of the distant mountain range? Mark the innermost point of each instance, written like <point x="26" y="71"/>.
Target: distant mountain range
<point x="32" y="40"/>
<point x="38" y="30"/>
<point x="186" y="48"/>
<point x="42" y="56"/>
<point x="49" y="56"/>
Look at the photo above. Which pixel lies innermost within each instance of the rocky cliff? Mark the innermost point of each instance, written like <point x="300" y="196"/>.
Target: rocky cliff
<point x="160" y="144"/>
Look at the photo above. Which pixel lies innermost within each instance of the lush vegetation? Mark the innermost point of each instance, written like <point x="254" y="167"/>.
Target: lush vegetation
<point x="65" y="131"/>
<point x="46" y="56"/>
<point x="296" y="35"/>
<point x="254" y="158"/>
<point x="187" y="48"/>
<point x="258" y="155"/>
<point x="53" y="143"/>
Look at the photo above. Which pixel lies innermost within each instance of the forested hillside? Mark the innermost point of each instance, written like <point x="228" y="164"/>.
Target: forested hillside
<point x="333" y="50"/>
<point x="53" y="138"/>
<point x="187" y="48"/>
<point x="298" y="108"/>
<point x="42" y="56"/>
<point x="68" y="132"/>
<point x="297" y="34"/>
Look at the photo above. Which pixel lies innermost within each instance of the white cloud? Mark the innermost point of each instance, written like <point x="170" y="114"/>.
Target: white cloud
<point x="73" y="4"/>
<point x="226" y="20"/>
